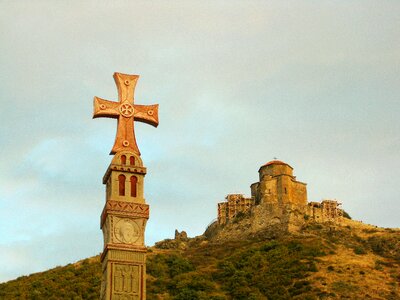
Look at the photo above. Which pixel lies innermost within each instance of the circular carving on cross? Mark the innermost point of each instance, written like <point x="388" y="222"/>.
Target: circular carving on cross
<point x="103" y="106"/>
<point x="150" y="112"/>
<point x="125" y="143"/>
<point x="126" y="82"/>
<point x="126" y="110"/>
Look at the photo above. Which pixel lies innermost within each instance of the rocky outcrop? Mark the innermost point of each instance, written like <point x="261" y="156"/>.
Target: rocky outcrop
<point x="180" y="235"/>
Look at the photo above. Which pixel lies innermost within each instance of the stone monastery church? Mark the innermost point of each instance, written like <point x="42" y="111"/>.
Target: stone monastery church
<point x="276" y="194"/>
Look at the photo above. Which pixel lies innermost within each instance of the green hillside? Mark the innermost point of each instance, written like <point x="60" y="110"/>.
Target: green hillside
<point x="74" y="281"/>
<point x="320" y="263"/>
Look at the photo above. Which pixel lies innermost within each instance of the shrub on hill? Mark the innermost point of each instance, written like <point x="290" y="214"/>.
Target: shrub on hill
<point x="281" y="272"/>
<point x="386" y="246"/>
<point x="273" y="270"/>
<point x="79" y="281"/>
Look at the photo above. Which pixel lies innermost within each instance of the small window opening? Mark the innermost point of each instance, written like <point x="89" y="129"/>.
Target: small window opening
<point x="133" y="186"/>
<point x="132" y="160"/>
<point x="121" y="180"/>
<point x="285" y="191"/>
<point x="123" y="159"/>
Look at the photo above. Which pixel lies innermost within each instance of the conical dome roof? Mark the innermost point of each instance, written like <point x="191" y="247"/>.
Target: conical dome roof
<point x="275" y="162"/>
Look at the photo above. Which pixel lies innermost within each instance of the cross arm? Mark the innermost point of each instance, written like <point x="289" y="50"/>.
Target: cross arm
<point x="105" y="108"/>
<point x="147" y="114"/>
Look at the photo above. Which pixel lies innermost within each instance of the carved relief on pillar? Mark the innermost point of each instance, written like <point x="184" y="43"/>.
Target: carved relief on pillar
<point x="126" y="231"/>
<point x="123" y="232"/>
<point x="126" y="281"/>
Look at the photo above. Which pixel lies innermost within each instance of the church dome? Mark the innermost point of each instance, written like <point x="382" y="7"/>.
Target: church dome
<point x="275" y="168"/>
<point x="275" y="162"/>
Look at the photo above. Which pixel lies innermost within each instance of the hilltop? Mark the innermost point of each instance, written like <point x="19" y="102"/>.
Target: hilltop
<point x="319" y="262"/>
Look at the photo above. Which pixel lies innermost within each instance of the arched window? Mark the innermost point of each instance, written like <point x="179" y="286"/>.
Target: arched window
<point x="132" y="160"/>
<point x="121" y="180"/>
<point x="123" y="159"/>
<point x="133" y="186"/>
<point x="285" y="191"/>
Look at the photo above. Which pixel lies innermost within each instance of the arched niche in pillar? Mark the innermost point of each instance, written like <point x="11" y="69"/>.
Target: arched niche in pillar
<point x="121" y="184"/>
<point x="127" y="158"/>
<point x="133" y="180"/>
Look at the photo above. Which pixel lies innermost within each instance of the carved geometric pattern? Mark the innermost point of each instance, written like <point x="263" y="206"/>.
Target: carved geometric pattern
<point x="142" y="209"/>
<point x="130" y="209"/>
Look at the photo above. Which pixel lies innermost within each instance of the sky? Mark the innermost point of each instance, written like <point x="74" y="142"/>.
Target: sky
<point x="314" y="83"/>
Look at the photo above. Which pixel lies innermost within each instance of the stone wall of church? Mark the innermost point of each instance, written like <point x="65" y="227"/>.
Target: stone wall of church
<point x="278" y="185"/>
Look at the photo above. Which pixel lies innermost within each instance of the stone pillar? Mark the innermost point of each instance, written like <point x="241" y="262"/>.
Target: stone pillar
<point x="125" y="213"/>
<point x="123" y="223"/>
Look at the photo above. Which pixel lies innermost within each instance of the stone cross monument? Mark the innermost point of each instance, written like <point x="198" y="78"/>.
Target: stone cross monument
<point x="125" y="213"/>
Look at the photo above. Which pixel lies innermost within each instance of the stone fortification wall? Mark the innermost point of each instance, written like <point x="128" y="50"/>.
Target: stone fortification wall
<point x="325" y="211"/>
<point x="234" y="204"/>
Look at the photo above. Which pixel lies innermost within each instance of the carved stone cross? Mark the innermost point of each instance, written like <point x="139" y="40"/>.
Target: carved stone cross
<point x="126" y="112"/>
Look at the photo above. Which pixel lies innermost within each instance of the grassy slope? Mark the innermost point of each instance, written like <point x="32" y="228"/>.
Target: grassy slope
<point x="320" y="263"/>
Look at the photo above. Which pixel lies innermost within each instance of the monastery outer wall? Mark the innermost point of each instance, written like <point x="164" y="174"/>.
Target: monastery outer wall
<point x="235" y="203"/>
<point x="326" y="211"/>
